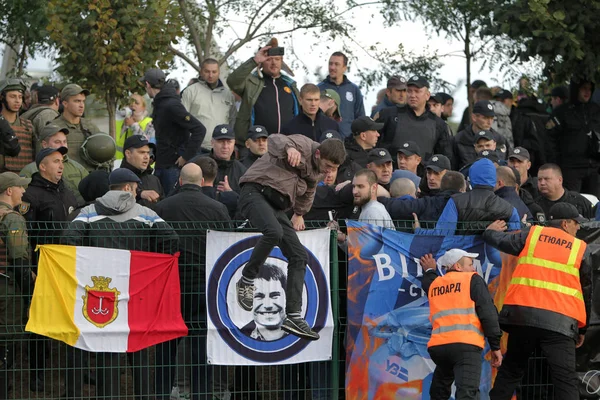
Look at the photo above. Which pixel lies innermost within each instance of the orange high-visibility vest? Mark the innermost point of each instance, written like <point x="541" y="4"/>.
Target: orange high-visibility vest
<point x="452" y="312"/>
<point x="547" y="275"/>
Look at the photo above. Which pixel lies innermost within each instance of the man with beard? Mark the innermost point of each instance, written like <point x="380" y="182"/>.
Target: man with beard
<point x="364" y="190"/>
<point x="256" y="145"/>
<point x="269" y="305"/>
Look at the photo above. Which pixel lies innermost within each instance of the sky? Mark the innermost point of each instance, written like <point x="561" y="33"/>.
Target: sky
<point x="370" y="31"/>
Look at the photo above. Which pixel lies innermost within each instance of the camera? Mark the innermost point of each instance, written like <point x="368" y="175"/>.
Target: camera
<point x="275" y="51"/>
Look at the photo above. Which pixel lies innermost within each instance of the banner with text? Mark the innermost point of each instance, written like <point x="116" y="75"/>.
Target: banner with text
<point x="388" y="312"/>
<point x="239" y="337"/>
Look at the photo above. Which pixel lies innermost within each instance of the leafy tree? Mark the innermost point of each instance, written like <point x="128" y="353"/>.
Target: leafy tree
<point x="106" y="45"/>
<point x="23" y="29"/>
<point x="564" y="35"/>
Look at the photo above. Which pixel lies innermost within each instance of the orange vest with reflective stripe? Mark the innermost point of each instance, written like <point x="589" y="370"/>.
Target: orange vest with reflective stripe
<point x="547" y="275"/>
<point x="452" y="312"/>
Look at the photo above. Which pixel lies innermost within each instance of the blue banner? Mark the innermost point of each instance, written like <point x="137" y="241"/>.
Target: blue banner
<point x="388" y="312"/>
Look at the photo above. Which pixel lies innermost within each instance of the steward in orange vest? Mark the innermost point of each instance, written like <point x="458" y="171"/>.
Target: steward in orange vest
<point x="462" y="315"/>
<point x="548" y="301"/>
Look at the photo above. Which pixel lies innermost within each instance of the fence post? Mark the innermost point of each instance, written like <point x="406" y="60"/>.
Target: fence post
<point x="335" y="303"/>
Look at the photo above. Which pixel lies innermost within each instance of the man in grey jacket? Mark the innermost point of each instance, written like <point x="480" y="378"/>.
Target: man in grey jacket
<point x="284" y="178"/>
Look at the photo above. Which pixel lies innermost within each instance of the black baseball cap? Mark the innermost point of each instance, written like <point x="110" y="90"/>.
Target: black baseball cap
<point x="478" y="83"/>
<point x="409" y="148"/>
<point x="363" y="124"/>
<point x="503" y="94"/>
<point x="379" y="156"/>
<point x="153" y="76"/>
<point x="491" y="155"/>
<point x="137" y="141"/>
<point x="444" y="96"/>
<point x="487" y="135"/>
<point x="566" y="211"/>
<point x="437" y="98"/>
<point x="560" y="91"/>
<point x="47" y="93"/>
<point x="396" y="82"/>
<point x="223" y="131"/>
<point x="520" y="153"/>
<point x="257" y="131"/>
<point x="484" y="107"/>
<point x="46" y="152"/>
<point x="418" y="81"/>
<point x="123" y="175"/>
<point x="330" y="134"/>
<point x="438" y="163"/>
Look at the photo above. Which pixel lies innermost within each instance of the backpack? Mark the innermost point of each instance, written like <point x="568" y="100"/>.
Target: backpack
<point x="502" y="123"/>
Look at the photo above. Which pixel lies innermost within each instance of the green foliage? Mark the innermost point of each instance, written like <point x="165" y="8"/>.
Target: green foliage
<point x="564" y="35"/>
<point x="106" y="45"/>
<point x="23" y="28"/>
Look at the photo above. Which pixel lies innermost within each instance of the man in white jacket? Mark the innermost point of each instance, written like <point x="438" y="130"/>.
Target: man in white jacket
<point x="209" y="100"/>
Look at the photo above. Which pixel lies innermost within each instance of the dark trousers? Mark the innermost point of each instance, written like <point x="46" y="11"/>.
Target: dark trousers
<point x="6" y="363"/>
<point x="582" y="180"/>
<point x="108" y="375"/>
<point x="459" y="363"/>
<point x="559" y="351"/>
<point x="277" y="230"/>
<point x="168" y="178"/>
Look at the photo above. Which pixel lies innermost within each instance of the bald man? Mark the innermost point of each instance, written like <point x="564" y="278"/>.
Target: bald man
<point x="403" y="188"/>
<point x="507" y="189"/>
<point x="189" y="205"/>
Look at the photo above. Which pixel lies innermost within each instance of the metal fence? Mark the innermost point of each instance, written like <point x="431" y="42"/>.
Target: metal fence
<point x="40" y="368"/>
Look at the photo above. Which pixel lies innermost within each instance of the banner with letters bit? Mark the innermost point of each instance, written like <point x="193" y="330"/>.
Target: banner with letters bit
<point x="238" y="337"/>
<point x="388" y="312"/>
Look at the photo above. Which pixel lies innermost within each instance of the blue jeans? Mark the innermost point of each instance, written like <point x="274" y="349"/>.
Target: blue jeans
<point x="168" y="178"/>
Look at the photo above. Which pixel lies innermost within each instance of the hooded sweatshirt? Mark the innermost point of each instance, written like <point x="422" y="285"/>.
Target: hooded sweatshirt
<point x="111" y="221"/>
<point x="476" y="209"/>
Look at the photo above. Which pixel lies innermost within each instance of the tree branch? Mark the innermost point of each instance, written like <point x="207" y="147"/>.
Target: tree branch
<point x="209" y="29"/>
<point x="185" y="58"/>
<point x="256" y="14"/>
<point x="193" y="31"/>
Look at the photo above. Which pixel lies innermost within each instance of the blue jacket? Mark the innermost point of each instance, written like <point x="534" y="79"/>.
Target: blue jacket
<point x="384" y="104"/>
<point x="351" y="106"/>
<point x="477" y="207"/>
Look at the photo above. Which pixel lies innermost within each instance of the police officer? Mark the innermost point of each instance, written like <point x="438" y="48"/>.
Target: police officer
<point x="73" y="100"/>
<point x="462" y="314"/>
<point x="256" y="144"/>
<point x="548" y="300"/>
<point x="11" y="97"/>
<point x="15" y="276"/>
<point x="54" y="136"/>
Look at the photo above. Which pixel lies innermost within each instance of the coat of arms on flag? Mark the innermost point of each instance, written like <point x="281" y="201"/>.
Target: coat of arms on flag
<point x="100" y="302"/>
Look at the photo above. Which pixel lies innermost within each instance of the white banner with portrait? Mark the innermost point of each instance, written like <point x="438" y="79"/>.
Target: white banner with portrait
<point x="239" y="337"/>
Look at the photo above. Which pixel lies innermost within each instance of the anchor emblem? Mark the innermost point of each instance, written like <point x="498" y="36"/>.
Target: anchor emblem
<point x="100" y="302"/>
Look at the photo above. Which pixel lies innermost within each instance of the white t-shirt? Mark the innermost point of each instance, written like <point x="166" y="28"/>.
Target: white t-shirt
<point x="374" y="213"/>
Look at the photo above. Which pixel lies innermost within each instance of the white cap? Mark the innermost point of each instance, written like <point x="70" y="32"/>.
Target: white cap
<point x="452" y="256"/>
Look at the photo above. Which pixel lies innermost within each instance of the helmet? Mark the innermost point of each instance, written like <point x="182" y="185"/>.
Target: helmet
<point x="11" y="84"/>
<point x="98" y="149"/>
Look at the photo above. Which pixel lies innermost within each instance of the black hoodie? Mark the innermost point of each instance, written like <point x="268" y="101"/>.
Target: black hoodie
<point x="570" y="124"/>
<point x="149" y="182"/>
<point x="175" y="129"/>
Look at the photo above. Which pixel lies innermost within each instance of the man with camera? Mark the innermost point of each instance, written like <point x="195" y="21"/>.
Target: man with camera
<point x="269" y="98"/>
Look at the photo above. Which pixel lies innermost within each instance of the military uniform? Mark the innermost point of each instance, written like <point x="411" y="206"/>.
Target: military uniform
<point x="15" y="280"/>
<point x="78" y="133"/>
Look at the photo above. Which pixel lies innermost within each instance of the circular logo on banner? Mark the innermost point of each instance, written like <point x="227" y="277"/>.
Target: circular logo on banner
<point x="259" y="337"/>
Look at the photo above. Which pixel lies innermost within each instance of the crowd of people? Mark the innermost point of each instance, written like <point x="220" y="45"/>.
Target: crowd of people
<point x="263" y="150"/>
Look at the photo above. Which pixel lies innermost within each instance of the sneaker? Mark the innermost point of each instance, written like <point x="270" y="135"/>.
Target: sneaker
<point x="299" y="327"/>
<point x="245" y="294"/>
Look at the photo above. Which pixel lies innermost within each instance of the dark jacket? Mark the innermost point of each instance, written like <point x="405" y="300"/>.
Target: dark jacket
<point x="384" y="104"/>
<point x="582" y="204"/>
<point x="463" y="147"/>
<point x="472" y="211"/>
<point x="228" y="199"/>
<point x="347" y="170"/>
<point x="509" y="194"/>
<point x="356" y="153"/>
<point x="178" y="133"/>
<point x="514" y="315"/>
<point x="484" y="305"/>
<point x="116" y="221"/>
<point x="531" y="187"/>
<point x="400" y="124"/>
<point x="569" y="143"/>
<point x="249" y="159"/>
<point x="149" y="182"/>
<point x="529" y="130"/>
<point x="427" y="208"/>
<point x="45" y="206"/>
<point x="232" y="168"/>
<point x="326" y="200"/>
<point x="301" y="124"/>
<point x="194" y="210"/>
<point x="351" y="106"/>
